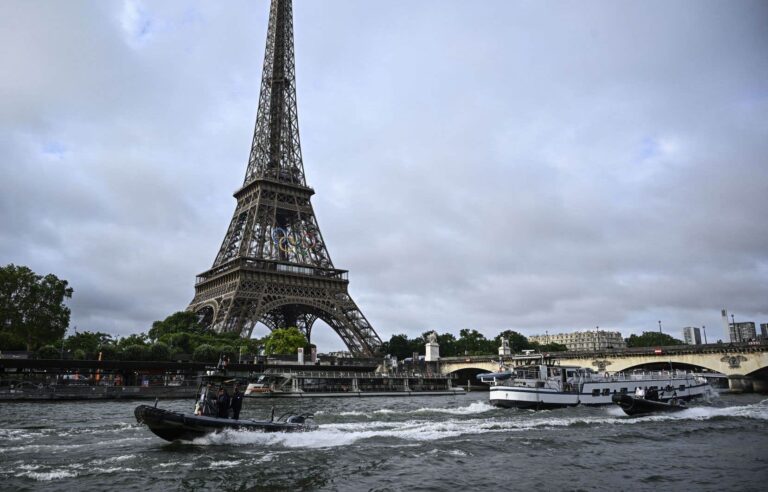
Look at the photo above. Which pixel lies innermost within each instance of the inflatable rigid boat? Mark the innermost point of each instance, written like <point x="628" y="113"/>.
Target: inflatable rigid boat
<point x="173" y="426"/>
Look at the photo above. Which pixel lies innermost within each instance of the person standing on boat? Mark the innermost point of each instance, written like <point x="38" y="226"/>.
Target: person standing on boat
<point x="237" y="402"/>
<point x="223" y="403"/>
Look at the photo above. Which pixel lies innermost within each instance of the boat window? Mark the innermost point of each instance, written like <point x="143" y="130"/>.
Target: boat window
<point x="596" y="392"/>
<point x="623" y="391"/>
<point x="606" y="391"/>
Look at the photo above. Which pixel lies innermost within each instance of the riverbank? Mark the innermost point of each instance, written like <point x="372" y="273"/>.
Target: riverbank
<point x="28" y="393"/>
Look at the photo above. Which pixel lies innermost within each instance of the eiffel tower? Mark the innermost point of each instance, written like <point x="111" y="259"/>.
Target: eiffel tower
<point x="273" y="266"/>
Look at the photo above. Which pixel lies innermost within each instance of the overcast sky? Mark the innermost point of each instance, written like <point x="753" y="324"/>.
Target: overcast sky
<point x="527" y="165"/>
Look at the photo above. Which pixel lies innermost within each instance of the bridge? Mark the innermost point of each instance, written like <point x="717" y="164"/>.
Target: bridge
<point x="744" y="364"/>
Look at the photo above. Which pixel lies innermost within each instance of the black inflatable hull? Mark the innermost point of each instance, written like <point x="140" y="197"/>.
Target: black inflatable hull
<point x="641" y="406"/>
<point x="174" y="426"/>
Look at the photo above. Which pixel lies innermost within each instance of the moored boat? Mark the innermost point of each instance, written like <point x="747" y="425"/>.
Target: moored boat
<point x="173" y="426"/>
<point x="541" y="384"/>
<point x="313" y="383"/>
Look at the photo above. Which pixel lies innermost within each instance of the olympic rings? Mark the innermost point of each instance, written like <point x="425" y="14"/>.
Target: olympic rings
<point x="292" y="242"/>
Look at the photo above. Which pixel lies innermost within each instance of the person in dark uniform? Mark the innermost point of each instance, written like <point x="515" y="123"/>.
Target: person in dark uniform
<point x="237" y="402"/>
<point x="223" y="403"/>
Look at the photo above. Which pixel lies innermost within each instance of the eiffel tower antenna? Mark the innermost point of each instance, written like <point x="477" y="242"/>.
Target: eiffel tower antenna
<point x="273" y="266"/>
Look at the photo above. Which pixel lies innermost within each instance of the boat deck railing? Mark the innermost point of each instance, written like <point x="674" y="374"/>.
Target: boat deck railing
<point x="310" y="374"/>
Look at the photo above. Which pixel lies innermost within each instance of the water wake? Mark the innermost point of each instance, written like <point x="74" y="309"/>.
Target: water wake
<point x="421" y="430"/>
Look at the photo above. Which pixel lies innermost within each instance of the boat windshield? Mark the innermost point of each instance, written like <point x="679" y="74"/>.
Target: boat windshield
<point x="527" y="372"/>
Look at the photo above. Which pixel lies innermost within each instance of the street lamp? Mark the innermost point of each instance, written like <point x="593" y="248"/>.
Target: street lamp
<point x="737" y="332"/>
<point x="659" y="326"/>
<point x="705" y="333"/>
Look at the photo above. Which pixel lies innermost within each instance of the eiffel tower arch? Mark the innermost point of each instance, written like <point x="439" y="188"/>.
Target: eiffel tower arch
<point x="273" y="266"/>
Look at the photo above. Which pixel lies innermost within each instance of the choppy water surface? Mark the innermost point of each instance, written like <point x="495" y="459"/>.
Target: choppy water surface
<point x="427" y="443"/>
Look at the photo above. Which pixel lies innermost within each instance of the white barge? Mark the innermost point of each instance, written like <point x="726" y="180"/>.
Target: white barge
<point x="542" y="384"/>
<point x="343" y="384"/>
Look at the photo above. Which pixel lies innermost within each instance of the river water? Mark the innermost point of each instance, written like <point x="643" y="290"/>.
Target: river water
<point x="423" y="443"/>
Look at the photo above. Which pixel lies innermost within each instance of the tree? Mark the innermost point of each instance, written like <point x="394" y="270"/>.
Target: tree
<point x="205" y="353"/>
<point x="652" y="339"/>
<point x="32" y="306"/>
<point x="549" y="347"/>
<point x="472" y="342"/>
<point x="284" y="341"/>
<point x="517" y="342"/>
<point x="134" y="352"/>
<point x="10" y="341"/>
<point x="159" y="351"/>
<point x="447" y="344"/>
<point x="90" y="343"/>
<point x="401" y="346"/>
<point x="179" y="322"/>
<point x="135" y="339"/>
<point x="48" y="352"/>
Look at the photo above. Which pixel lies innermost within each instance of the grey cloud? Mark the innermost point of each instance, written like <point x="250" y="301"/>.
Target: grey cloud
<point x="533" y="166"/>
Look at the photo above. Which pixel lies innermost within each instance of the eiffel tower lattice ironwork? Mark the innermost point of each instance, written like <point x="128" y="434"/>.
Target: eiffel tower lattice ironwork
<point x="273" y="266"/>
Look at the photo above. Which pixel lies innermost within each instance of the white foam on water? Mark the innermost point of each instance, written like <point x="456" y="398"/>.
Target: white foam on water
<point x="48" y="476"/>
<point x="384" y="411"/>
<point x="14" y="434"/>
<point x="114" y="459"/>
<point x="414" y="431"/>
<point x="224" y="464"/>
<point x="114" y="469"/>
<point x="473" y="408"/>
<point x="457" y="452"/>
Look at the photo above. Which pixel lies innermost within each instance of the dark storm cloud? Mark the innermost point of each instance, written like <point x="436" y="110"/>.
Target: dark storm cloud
<point x="533" y="166"/>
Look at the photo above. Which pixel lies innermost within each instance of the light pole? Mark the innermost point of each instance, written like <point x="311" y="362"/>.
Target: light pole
<point x="704" y="328"/>
<point x="737" y="332"/>
<point x="659" y="326"/>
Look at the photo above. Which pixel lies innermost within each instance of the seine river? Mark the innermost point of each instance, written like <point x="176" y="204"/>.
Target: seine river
<point x="426" y="443"/>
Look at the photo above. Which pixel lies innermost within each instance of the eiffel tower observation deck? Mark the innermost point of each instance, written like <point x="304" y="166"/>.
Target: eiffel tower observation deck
<point x="273" y="266"/>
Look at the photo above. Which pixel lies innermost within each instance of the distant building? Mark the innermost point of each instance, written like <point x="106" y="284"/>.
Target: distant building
<point x="764" y="331"/>
<point x="692" y="335"/>
<point x="742" y="332"/>
<point x="583" y="340"/>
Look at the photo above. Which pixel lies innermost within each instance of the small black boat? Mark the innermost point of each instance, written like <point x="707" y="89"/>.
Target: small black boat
<point x="635" y="405"/>
<point x="173" y="426"/>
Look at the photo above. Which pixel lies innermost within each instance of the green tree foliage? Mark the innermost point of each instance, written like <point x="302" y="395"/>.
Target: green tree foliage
<point x="447" y="344"/>
<point x="205" y="353"/>
<point x="284" y="341"/>
<point x="549" y="347"/>
<point x="90" y="343"/>
<point x="402" y="347"/>
<point x="517" y="342"/>
<point x="48" y="352"/>
<point x="652" y="339"/>
<point x="159" y="351"/>
<point x="32" y="306"/>
<point x="135" y="339"/>
<point x="472" y="342"/>
<point x="109" y="352"/>
<point x="134" y="352"/>
<point x="11" y="341"/>
<point x="179" y="322"/>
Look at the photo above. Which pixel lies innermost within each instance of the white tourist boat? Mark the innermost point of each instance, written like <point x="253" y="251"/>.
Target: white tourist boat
<point x="544" y="384"/>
